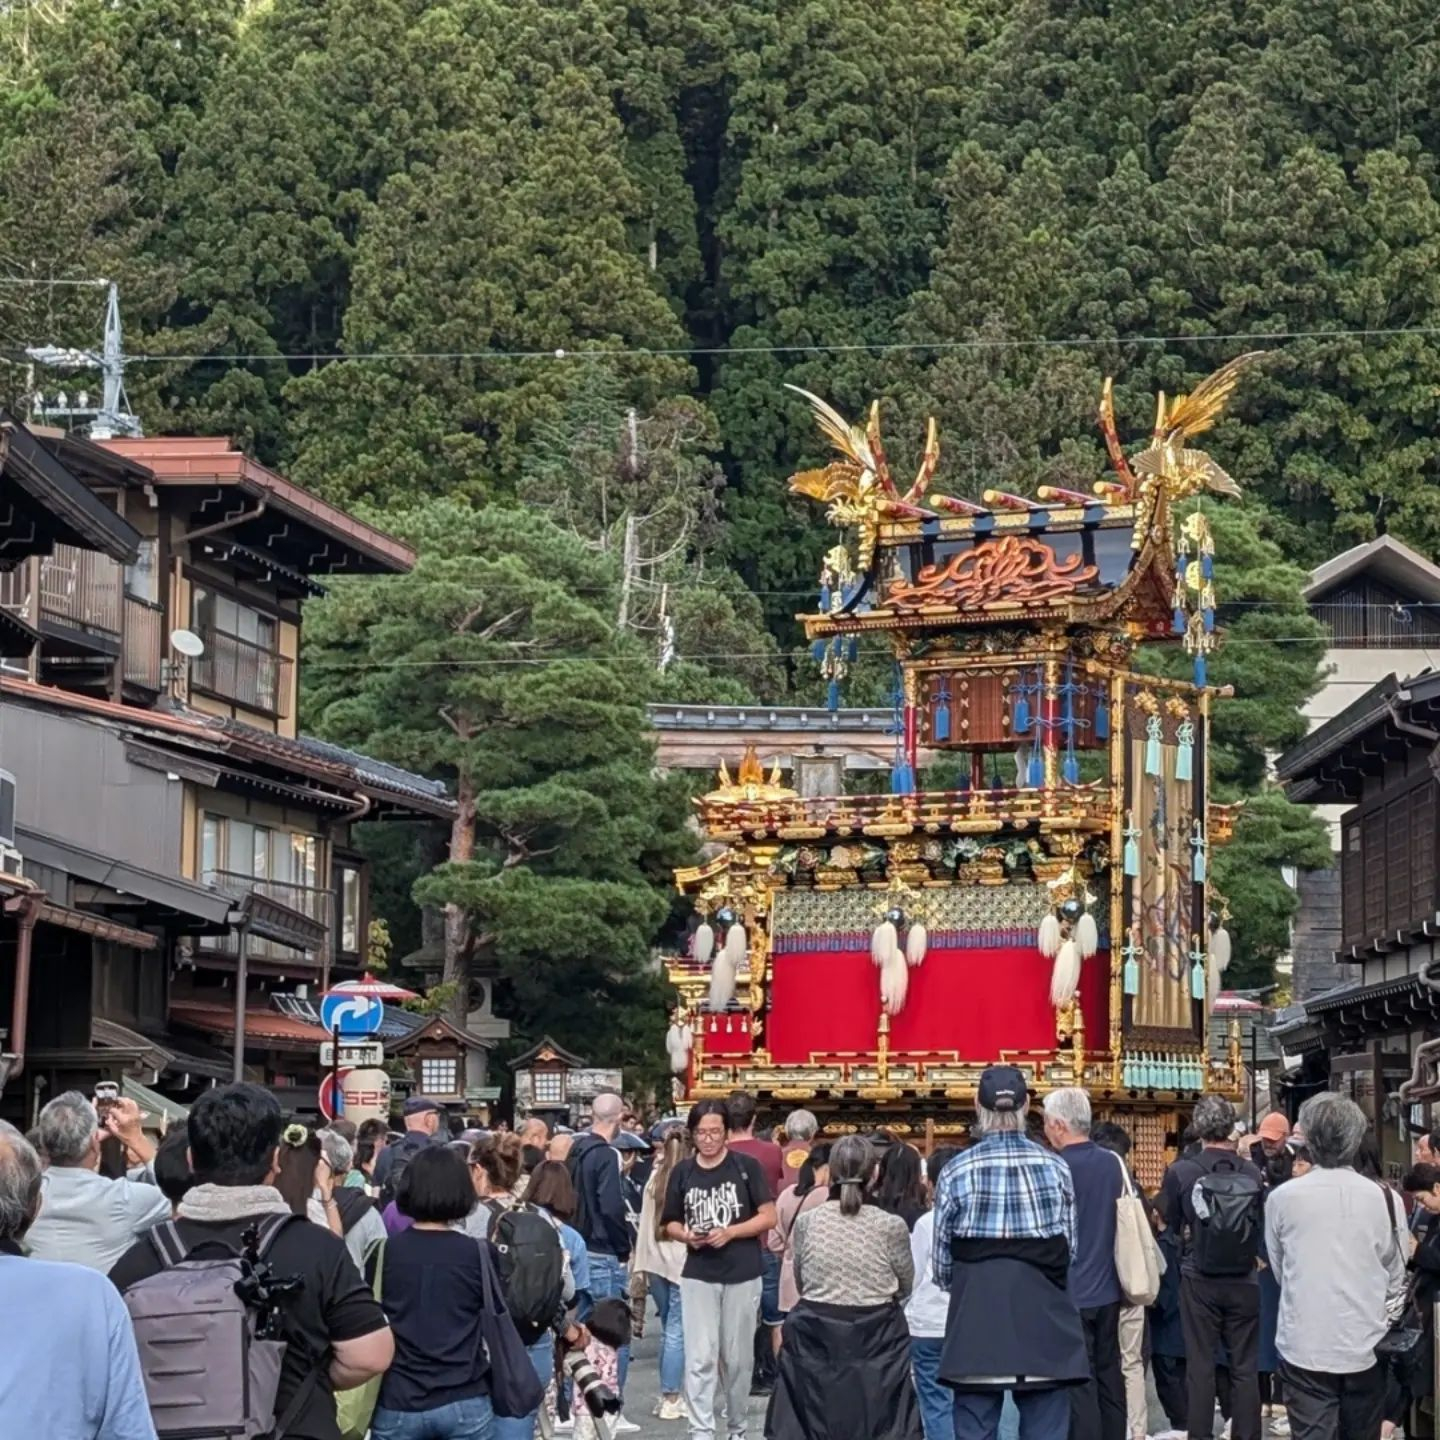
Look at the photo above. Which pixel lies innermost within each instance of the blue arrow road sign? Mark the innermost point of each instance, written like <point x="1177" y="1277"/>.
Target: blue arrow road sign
<point x="351" y="1014"/>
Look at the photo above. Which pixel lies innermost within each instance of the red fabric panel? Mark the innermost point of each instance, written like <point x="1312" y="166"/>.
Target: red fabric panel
<point x="734" y="1041"/>
<point x="976" y="1002"/>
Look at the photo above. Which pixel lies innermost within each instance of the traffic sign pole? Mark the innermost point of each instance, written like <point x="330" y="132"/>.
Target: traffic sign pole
<point x="337" y="1100"/>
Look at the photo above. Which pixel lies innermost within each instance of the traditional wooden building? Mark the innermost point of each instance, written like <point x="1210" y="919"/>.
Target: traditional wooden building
<point x="1378" y="759"/>
<point x="161" y="785"/>
<point x="557" y="1085"/>
<point x="447" y="1064"/>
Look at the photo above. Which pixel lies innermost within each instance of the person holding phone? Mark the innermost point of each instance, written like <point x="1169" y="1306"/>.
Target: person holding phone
<point x="718" y="1205"/>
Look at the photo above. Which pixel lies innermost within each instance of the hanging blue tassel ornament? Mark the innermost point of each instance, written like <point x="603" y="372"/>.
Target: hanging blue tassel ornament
<point x="1184" y="750"/>
<point x="817" y="651"/>
<point x="1132" y="847"/>
<point x="940" y="726"/>
<point x="1177" y="622"/>
<point x="824" y="599"/>
<point x="902" y="779"/>
<point x="1197" y="982"/>
<point x="1201" y="673"/>
<point x="1197" y="844"/>
<point x="833" y="696"/>
<point x="1207" y="566"/>
<point x="1152" y="745"/>
<point x="1035" y="775"/>
<point x="1071" y="769"/>
<point x="1102" y="715"/>
<point x="1132" y="968"/>
<point x="852" y="649"/>
<point x="1020" y="719"/>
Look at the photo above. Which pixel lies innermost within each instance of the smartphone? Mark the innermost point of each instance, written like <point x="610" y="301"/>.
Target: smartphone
<point x="107" y="1096"/>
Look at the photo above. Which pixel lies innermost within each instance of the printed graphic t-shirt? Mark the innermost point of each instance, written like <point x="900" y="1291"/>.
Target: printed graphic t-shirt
<point x="729" y="1193"/>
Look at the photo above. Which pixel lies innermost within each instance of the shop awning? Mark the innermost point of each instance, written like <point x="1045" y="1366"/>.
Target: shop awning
<point x="157" y="1111"/>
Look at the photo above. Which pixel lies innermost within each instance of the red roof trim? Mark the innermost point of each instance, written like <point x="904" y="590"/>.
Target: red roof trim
<point x="259" y="1024"/>
<point x="181" y="460"/>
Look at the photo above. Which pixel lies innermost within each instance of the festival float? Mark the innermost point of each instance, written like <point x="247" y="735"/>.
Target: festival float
<point x="868" y="955"/>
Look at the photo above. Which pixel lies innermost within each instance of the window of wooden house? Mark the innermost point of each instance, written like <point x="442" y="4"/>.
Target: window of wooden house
<point x="142" y="575"/>
<point x="241" y="659"/>
<point x="549" y="1087"/>
<point x="440" y="1076"/>
<point x="349" y="889"/>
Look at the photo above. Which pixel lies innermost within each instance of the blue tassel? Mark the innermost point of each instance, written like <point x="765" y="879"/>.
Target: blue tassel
<point x="824" y="599"/>
<point x="1201" y="674"/>
<point x="1207" y="618"/>
<point x="1177" y="621"/>
<point x="1132" y="857"/>
<point x="1184" y="750"/>
<point x="852" y="649"/>
<point x="1102" y="718"/>
<point x="833" y="695"/>
<point x="902" y="781"/>
<point x="964" y="785"/>
<point x="817" y="651"/>
<point x="1132" y="977"/>
<point x="996" y="783"/>
<point x="1021" y="721"/>
<point x="1036" y="773"/>
<point x="1197" y="982"/>
<point x="1197" y="867"/>
<point x="1207" y="567"/>
<point x="941" y="727"/>
<point x="1071" y="770"/>
<point x="1152" y="745"/>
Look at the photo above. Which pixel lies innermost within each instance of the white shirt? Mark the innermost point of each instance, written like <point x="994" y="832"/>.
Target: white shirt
<point x="1332" y="1242"/>
<point x="928" y="1304"/>
<point x="89" y="1220"/>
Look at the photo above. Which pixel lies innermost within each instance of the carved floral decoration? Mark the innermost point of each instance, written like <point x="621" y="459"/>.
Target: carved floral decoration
<point x="1012" y="572"/>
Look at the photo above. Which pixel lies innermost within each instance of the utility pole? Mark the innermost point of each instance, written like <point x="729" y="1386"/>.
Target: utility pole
<point x="629" y="562"/>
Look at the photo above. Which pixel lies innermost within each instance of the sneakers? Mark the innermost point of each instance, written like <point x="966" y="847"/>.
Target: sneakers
<point x="672" y="1409"/>
<point x="619" y="1425"/>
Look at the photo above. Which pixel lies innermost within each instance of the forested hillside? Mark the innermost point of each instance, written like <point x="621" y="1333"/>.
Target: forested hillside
<point x="558" y="258"/>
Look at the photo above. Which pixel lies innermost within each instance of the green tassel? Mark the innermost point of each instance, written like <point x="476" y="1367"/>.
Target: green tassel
<point x="1152" y="745"/>
<point x="1132" y="976"/>
<point x="1197" y="982"/>
<point x="1184" y="751"/>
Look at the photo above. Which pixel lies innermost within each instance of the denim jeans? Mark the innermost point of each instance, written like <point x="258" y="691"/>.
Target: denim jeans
<point x="609" y="1281"/>
<point x="672" y="1334"/>
<point x="542" y="1357"/>
<point x="937" y="1401"/>
<point x="987" y="1415"/>
<point x="464" y="1420"/>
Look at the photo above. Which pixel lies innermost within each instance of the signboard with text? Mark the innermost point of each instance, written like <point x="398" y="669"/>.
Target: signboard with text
<point x="353" y="1053"/>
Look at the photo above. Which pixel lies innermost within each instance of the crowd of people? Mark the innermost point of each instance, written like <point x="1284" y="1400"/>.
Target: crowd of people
<point x="255" y="1276"/>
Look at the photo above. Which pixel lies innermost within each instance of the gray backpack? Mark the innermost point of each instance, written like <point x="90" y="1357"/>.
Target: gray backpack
<point x="207" y="1371"/>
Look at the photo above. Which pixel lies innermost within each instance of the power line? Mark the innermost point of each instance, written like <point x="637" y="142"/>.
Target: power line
<point x="879" y="347"/>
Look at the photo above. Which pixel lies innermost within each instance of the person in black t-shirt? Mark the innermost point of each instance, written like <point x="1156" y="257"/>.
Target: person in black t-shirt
<point x="719" y="1205"/>
<point x="336" y="1331"/>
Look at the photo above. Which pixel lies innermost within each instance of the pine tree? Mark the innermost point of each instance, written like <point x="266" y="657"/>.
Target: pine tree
<point x="496" y="665"/>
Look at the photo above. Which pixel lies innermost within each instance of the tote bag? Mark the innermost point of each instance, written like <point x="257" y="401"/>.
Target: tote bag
<point x="1138" y="1261"/>
<point x="515" y="1389"/>
<point x="355" y="1408"/>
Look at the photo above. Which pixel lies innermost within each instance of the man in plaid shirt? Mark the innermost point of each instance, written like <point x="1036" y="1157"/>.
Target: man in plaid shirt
<point x="1004" y="1233"/>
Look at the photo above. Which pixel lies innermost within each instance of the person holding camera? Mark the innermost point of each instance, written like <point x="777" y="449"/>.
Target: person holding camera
<point x="718" y="1204"/>
<point x="334" y="1332"/>
<point x="86" y="1218"/>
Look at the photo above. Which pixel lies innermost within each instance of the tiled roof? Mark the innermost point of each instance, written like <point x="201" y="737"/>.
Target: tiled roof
<point x="374" y="772"/>
<point x="259" y="1024"/>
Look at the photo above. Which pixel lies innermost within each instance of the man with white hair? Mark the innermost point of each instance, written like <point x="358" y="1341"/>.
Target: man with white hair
<point x="595" y="1170"/>
<point x="801" y="1127"/>
<point x="361" y="1227"/>
<point x="1098" y="1406"/>
<point x="87" y="1219"/>
<point x="1334" y="1240"/>
<point x="69" y="1364"/>
<point x="1004" y="1233"/>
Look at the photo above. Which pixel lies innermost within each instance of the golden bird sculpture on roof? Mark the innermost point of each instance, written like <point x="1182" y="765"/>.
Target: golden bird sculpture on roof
<point x="1167" y="460"/>
<point x="858" y="488"/>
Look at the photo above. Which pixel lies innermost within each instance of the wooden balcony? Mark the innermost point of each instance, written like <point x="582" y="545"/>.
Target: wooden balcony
<point x="242" y="671"/>
<point x="305" y="900"/>
<point x="142" y="643"/>
<point x="73" y="596"/>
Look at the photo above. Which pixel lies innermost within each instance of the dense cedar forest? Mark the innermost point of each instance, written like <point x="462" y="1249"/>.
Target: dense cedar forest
<point x="523" y="283"/>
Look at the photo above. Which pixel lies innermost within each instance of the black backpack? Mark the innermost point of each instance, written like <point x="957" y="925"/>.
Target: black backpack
<point x="1225" y="1238"/>
<point x="530" y="1257"/>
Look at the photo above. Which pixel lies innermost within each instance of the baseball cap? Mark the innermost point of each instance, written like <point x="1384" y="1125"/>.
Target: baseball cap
<point x="1002" y="1087"/>
<point x="418" y="1104"/>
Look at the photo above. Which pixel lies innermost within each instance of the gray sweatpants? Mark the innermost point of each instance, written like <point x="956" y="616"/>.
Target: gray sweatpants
<point x="719" y="1325"/>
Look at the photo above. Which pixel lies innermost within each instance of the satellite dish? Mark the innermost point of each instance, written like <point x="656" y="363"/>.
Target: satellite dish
<point x="187" y="643"/>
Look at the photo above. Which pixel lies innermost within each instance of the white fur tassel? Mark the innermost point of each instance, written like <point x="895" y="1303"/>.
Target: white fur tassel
<point x="915" y="943"/>
<point x="884" y="942"/>
<point x="737" y="947"/>
<point x="1049" y="941"/>
<point x="722" y="980"/>
<point x="1220" y="947"/>
<point x="1065" y="974"/>
<point x="679" y="1040"/>
<point x="1087" y="935"/>
<point x="894" y="982"/>
<point x="703" y="945"/>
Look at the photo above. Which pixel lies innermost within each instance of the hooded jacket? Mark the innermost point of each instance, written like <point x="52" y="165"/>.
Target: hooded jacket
<point x="594" y="1166"/>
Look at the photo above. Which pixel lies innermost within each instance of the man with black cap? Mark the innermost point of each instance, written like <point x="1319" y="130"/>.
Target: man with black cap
<point x="423" y="1119"/>
<point x="1004" y="1233"/>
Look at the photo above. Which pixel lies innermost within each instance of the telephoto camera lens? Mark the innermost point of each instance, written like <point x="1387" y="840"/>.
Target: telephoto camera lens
<point x="600" y="1400"/>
